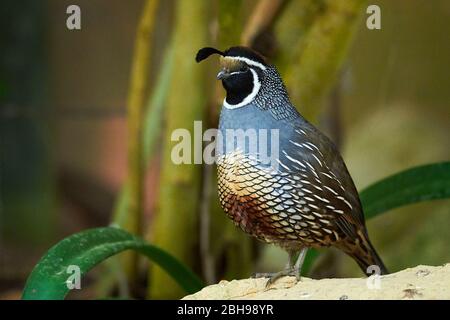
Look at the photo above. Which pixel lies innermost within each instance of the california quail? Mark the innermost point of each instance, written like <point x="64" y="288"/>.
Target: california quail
<point x="309" y="199"/>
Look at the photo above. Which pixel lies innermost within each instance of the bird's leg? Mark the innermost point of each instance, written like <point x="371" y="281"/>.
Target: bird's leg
<point x="292" y="269"/>
<point x="289" y="267"/>
<point x="299" y="263"/>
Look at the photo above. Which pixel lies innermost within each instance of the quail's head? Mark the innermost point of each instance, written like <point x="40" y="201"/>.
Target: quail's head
<point x="243" y="72"/>
<point x="249" y="79"/>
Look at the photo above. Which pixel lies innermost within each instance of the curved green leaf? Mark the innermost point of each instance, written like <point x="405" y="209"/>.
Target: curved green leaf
<point x="87" y="249"/>
<point x="428" y="182"/>
<point x="414" y="185"/>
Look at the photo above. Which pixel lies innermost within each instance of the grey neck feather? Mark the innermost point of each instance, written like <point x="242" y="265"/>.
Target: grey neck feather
<point x="274" y="97"/>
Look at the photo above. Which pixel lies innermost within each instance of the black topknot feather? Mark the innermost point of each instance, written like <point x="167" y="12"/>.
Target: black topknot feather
<point x="237" y="51"/>
<point x="204" y="53"/>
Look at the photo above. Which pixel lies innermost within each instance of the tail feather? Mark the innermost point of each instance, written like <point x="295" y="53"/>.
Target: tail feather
<point x="365" y="255"/>
<point x="371" y="259"/>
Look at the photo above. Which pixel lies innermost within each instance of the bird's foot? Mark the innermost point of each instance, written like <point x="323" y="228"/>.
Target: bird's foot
<point x="263" y="275"/>
<point x="274" y="276"/>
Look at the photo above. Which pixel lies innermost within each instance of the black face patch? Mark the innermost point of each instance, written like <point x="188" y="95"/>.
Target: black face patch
<point x="238" y="86"/>
<point x="236" y="75"/>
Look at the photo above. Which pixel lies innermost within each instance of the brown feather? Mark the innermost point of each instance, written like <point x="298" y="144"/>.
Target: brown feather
<point x="230" y="64"/>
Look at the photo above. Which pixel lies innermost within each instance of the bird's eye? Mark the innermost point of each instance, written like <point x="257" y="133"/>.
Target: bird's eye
<point x="244" y="68"/>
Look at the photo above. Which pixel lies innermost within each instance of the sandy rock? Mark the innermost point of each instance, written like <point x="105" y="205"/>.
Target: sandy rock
<point x="421" y="282"/>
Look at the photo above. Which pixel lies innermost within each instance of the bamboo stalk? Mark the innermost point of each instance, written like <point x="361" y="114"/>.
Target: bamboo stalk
<point x="176" y="223"/>
<point x="135" y="109"/>
<point x="261" y="19"/>
<point x="152" y="132"/>
<point x="152" y="128"/>
<point x="313" y="71"/>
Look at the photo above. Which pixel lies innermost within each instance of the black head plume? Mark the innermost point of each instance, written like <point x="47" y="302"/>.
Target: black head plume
<point x="204" y="53"/>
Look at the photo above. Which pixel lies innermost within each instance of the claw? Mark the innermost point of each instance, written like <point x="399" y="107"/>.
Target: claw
<point x="262" y="275"/>
<point x="287" y="272"/>
<point x="292" y="269"/>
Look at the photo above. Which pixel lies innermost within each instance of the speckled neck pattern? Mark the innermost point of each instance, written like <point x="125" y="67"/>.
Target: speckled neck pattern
<point x="273" y="96"/>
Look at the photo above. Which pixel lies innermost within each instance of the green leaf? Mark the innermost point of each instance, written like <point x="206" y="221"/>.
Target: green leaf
<point x="87" y="249"/>
<point x="414" y="185"/>
<point x="428" y="182"/>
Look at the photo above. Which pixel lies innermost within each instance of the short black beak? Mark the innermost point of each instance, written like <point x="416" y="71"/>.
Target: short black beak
<point x="223" y="74"/>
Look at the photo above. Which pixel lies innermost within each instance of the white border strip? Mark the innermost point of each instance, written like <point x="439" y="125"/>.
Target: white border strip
<point x="248" y="61"/>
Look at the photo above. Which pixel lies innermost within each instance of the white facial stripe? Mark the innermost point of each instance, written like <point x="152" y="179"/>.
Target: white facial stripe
<point x="250" y="62"/>
<point x="250" y="97"/>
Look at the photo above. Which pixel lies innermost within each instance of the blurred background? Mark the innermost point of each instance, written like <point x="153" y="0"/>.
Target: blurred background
<point x="69" y="140"/>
